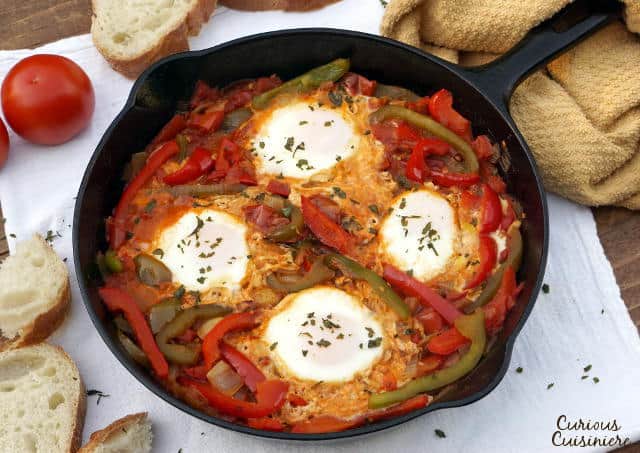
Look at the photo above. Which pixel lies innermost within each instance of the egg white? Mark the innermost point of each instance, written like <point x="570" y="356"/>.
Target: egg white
<point x="420" y="233"/>
<point x="205" y="249"/>
<point x="303" y="138"/>
<point x="306" y="344"/>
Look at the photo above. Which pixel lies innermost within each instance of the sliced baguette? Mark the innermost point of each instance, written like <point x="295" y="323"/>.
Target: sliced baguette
<point x="287" y="5"/>
<point x="130" y="434"/>
<point x="34" y="294"/>
<point x="132" y="35"/>
<point x="42" y="401"/>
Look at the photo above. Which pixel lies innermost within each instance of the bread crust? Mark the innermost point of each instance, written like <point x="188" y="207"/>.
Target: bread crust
<point x="287" y="5"/>
<point x="173" y="42"/>
<point x="44" y="325"/>
<point x="81" y="408"/>
<point x="103" y="435"/>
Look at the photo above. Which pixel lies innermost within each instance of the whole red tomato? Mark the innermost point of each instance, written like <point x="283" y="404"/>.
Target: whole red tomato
<point x="4" y="144"/>
<point x="47" y="99"/>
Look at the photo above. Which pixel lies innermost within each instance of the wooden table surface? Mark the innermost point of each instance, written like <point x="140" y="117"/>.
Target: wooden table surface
<point x="36" y="22"/>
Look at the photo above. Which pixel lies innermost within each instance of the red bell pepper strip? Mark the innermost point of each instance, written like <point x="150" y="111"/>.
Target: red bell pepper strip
<point x="278" y="187"/>
<point x="118" y="300"/>
<point x="416" y="166"/>
<point x="169" y="130"/>
<point x="266" y="424"/>
<point x="490" y="210"/>
<point x="157" y="158"/>
<point x="496" y="310"/>
<point x="488" y="253"/>
<point x="207" y="121"/>
<point x="243" y="366"/>
<point x="325" y="424"/>
<point x="427" y="297"/>
<point x="234" y="321"/>
<point x="325" y="229"/>
<point x="447" y="342"/>
<point x="441" y="109"/>
<point x="410" y="405"/>
<point x="199" y="163"/>
<point x="270" y="396"/>
<point x="448" y="179"/>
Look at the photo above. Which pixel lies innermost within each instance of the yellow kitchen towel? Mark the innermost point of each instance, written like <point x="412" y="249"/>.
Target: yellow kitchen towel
<point x="580" y="115"/>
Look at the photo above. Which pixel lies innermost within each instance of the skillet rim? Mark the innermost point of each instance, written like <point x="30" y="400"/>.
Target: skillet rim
<point x="160" y="391"/>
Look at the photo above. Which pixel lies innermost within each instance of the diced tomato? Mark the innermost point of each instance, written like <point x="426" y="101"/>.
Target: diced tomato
<point x="297" y="400"/>
<point x="264" y="217"/>
<point x="431" y="321"/>
<point x="208" y="121"/>
<point x="325" y="229"/>
<point x="441" y="109"/>
<point x="410" y="405"/>
<point x="198" y="372"/>
<point x="266" y="83"/>
<point x="236" y="99"/>
<point x="241" y="173"/>
<point x="469" y="201"/>
<point x="357" y="84"/>
<point x="278" y="187"/>
<point x="447" y="342"/>
<point x="482" y="147"/>
<point x="429" y="364"/>
<point x="416" y="169"/>
<point x="496" y="310"/>
<point x="203" y="93"/>
<point x="395" y="134"/>
<point x="266" y="424"/>
<point x="325" y="424"/>
<point x="389" y="381"/>
<point x="420" y="106"/>
<point x="488" y="255"/>
<point x="328" y="206"/>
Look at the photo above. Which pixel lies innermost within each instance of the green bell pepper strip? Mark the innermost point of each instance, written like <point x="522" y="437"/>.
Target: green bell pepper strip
<point x="292" y="229"/>
<point x="163" y="312"/>
<point x="329" y="72"/>
<point x="514" y="243"/>
<point x="151" y="271"/>
<point x="113" y="263"/>
<point x="472" y="327"/>
<point x="433" y="127"/>
<point x="186" y="354"/>
<point x="132" y="349"/>
<point x="199" y="190"/>
<point x="381" y="287"/>
<point x="318" y="273"/>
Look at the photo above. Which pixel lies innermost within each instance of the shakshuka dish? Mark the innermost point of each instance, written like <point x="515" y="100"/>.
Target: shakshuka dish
<point x="312" y="255"/>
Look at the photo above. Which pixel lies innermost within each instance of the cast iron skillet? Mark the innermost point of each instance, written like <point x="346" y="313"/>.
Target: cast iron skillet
<point x="481" y="94"/>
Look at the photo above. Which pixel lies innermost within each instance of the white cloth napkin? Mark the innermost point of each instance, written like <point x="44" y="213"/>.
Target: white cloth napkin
<point x="582" y="321"/>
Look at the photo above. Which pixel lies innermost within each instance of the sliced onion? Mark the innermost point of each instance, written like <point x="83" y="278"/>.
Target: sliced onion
<point x="224" y="378"/>
<point x="206" y="327"/>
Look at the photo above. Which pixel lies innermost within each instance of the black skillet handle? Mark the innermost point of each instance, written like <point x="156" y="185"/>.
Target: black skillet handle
<point x="499" y="78"/>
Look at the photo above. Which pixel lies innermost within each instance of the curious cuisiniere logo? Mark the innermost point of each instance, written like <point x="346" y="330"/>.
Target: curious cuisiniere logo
<point x="587" y="433"/>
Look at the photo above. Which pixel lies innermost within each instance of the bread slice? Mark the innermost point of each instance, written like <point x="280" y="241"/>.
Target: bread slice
<point x="42" y="401"/>
<point x="34" y="294"/>
<point x="130" y="434"/>
<point x="287" y="5"/>
<point x="131" y="35"/>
